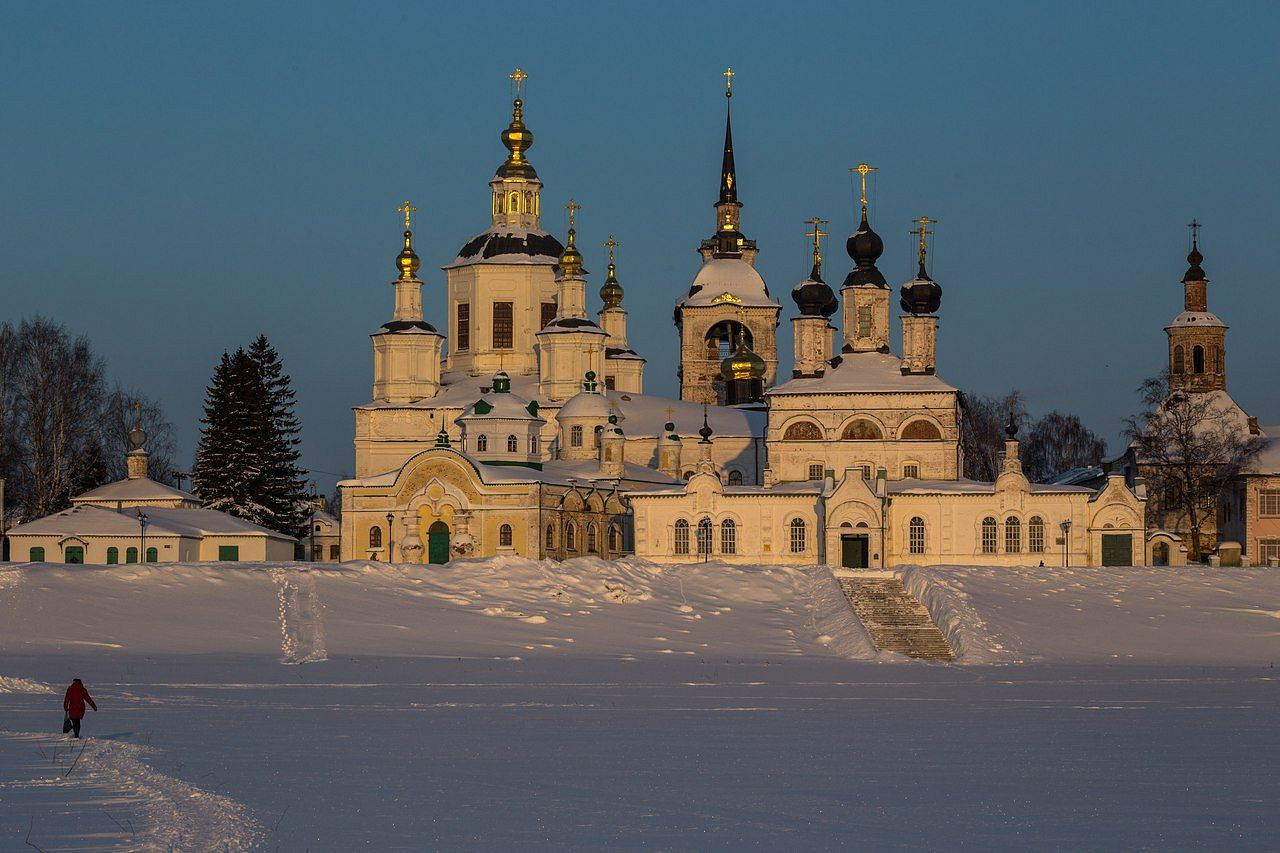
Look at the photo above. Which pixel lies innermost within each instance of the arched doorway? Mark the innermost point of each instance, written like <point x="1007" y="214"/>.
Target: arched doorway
<point x="1160" y="554"/>
<point x="438" y="543"/>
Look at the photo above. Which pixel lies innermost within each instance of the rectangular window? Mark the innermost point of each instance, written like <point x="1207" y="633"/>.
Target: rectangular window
<point x="866" y="472"/>
<point x="503" y="328"/>
<point x="548" y="314"/>
<point x="864" y="321"/>
<point x="910" y="472"/>
<point x="1267" y="549"/>
<point x="1269" y="503"/>
<point x="610" y="383"/>
<point x="462" y="335"/>
<point x="815" y="471"/>
<point x="229" y="553"/>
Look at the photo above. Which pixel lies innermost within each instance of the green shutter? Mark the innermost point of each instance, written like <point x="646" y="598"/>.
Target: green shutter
<point x="37" y="555"/>
<point x="229" y="553"/>
<point x="113" y="556"/>
<point x="131" y="555"/>
<point x="153" y="556"/>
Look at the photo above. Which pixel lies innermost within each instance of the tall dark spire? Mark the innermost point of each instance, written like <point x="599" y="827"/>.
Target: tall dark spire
<point x="728" y="241"/>
<point x="728" y="174"/>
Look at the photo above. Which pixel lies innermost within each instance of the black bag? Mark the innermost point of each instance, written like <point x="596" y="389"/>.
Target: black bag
<point x="66" y="725"/>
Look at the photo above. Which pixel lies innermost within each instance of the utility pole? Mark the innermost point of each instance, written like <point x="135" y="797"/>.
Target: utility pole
<point x="142" y="536"/>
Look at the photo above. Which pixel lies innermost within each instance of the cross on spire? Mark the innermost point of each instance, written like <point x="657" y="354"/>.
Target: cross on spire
<point x="924" y="222"/>
<point x="728" y="82"/>
<point x="611" y="244"/>
<point x="817" y="234"/>
<point x="1194" y="225"/>
<point x="573" y="207"/>
<point x="408" y="210"/>
<point x="517" y="78"/>
<point x="863" y="170"/>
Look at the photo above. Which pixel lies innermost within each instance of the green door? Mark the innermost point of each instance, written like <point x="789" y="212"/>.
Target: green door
<point x="75" y="554"/>
<point x="438" y="543"/>
<point x="1117" y="549"/>
<point x="853" y="552"/>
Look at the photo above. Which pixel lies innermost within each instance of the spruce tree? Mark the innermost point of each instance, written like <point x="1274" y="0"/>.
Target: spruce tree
<point x="283" y="480"/>
<point x="221" y="473"/>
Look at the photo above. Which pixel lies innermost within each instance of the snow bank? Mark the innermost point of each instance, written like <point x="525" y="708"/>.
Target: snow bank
<point x="504" y="607"/>
<point x="1190" y="615"/>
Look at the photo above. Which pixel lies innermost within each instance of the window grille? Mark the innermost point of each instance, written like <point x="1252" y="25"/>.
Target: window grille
<point x="1269" y="503"/>
<point x="503" y="328"/>
<point x="513" y="444"/>
<point x="1035" y="534"/>
<point x="988" y="535"/>
<point x="798" y="537"/>
<point x="735" y="478"/>
<point x="815" y="471"/>
<point x="915" y="535"/>
<point x="375" y="537"/>
<point x="548" y="313"/>
<point x="682" y="537"/>
<point x="462" y="336"/>
<point x="482" y="443"/>
<point x="728" y="537"/>
<point x="704" y="537"/>
<point x="1012" y="535"/>
<point x="575" y="436"/>
<point x="910" y="472"/>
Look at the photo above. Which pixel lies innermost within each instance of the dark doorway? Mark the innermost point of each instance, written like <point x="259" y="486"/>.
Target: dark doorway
<point x="438" y="543"/>
<point x="853" y="551"/>
<point x="1117" y="549"/>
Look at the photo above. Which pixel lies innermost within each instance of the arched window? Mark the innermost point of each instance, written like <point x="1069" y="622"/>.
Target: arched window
<point x="910" y="471"/>
<point x="798" y="537"/>
<point x="575" y="436"/>
<point x="595" y="436"/>
<point x="802" y="431"/>
<point x="915" y="535"/>
<point x="113" y="556"/>
<point x="1178" y="366"/>
<point x="513" y="444"/>
<point x="153" y="555"/>
<point x="551" y="536"/>
<point x="704" y="537"/>
<point x="591" y="538"/>
<point x="921" y="430"/>
<point x="375" y="537"/>
<point x="504" y="536"/>
<point x="728" y="537"/>
<point x="988" y="535"/>
<point x="1012" y="535"/>
<point x="514" y="206"/>
<point x="482" y="443"/>
<point x="533" y="444"/>
<point x="131" y="555"/>
<point x="686" y="475"/>
<point x="615" y="538"/>
<point x="862" y="430"/>
<point x="735" y="478"/>
<point x="1197" y="359"/>
<point x="1035" y="535"/>
<point x="570" y="537"/>
<point x="37" y="554"/>
<point x="682" y="537"/>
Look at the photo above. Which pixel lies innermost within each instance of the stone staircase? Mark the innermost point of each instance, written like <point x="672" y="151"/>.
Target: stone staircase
<point x="896" y="621"/>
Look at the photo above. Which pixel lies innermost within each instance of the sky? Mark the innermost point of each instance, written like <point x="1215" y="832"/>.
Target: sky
<point x="179" y="178"/>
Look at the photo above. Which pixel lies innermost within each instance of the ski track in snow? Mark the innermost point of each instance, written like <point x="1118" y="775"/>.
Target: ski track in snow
<point x="301" y="624"/>
<point x="170" y="814"/>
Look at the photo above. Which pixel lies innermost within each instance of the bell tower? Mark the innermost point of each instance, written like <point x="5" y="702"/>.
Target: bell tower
<point x="865" y="291"/>
<point x="1197" y="338"/>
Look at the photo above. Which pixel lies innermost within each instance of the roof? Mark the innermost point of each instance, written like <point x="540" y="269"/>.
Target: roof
<point x="139" y="489"/>
<point x="554" y="472"/>
<point x="560" y="325"/>
<point x="865" y="372"/>
<point x="503" y="405"/>
<point x="972" y="487"/>
<point x="728" y="280"/>
<point x="586" y="404"/>
<point x="506" y="245"/>
<point x="1267" y="461"/>
<point x="92" y="520"/>
<point x="416" y="327"/>
<point x="1199" y="319"/>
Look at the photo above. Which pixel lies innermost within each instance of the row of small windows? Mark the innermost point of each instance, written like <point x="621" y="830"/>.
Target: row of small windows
<point x="863" y="430"/>
<point x="516" y="202"/>
<point x="575" y="436"/>
<point x="571" y="537"/>
<point x="74" y="554"/>
<point x="729" y="536"/>
<point x="1013" y="535"/>
<point x="513" y="444"/>
<point x="503" y="324"/>
<point x="910" y="471"/>
<point x="1197" y="359"/>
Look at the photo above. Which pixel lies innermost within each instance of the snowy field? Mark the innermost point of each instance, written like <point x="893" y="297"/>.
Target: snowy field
<point x="510" y="702"/>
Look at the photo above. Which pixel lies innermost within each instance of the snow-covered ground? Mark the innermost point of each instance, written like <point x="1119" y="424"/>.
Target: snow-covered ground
<point x="513" y="702"/>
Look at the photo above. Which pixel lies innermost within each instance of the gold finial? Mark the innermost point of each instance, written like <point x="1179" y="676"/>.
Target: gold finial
<point x="817" y="234"/>
<point x="611" y="244"/>
<point x="571" y="258"/>
<point x="863" y="170"/>
<point x="517" y="78"/>
<point x="728" y="82"/>
<point x="573" y="207"/>
<point x="408" y="210"/>
<point x="924" y="222"/>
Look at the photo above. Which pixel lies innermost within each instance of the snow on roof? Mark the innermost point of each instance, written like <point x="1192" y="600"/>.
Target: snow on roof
<point x="1268" y="459"/>
<point x="730" y="280"/>
<point x="1196" y="318"/>
<point x="140" y="489"/>
<point x="585" y="404"/>
<point x="555" y="472"/>
<point x="912" y="486"/>
<point x="505" y="406"/>
<point x="866" y="372"/>
<point x="509" y="245"/>
<point x="90" y="520"/>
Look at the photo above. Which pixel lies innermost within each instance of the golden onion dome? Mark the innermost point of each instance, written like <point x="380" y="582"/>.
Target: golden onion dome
<point x="742" y="363"/>
<point x="407" y="261"/>
<point x="518" y="139"/>
<point x="571" y="258"/>
<point x="611" y="291"/>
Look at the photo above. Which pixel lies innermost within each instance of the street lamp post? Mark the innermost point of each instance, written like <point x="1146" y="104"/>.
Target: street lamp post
<point x="1066" y="541"/>
<point x="390" y="543"/>
<point x="142" y="536"/>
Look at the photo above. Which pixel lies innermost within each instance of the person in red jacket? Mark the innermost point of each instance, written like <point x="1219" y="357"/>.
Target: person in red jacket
<point x="73" y="704"/>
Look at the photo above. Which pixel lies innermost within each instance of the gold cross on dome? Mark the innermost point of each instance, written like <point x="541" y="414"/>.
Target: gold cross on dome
<point x="863" y="170"/>
<point x="408" y="210"/>
<point x="817" y="234"/>
<point x="924" y="222"/>
<point x="573" y="207"/>
<point x="728" y="82"/>
<point x="518" y="77"/>
<point x="611" y="244"/>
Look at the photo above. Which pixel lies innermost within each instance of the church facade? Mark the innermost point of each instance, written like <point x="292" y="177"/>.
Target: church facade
<point x="520" y="424"/>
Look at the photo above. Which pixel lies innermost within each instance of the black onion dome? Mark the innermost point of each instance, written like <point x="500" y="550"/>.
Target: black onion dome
<point x="1194" y="272"/>
<point x="865" y="247"/>
<point x="921" y="295"/>
<point x="492" y="243"/>
<point x="409" y="326"/>
<point x="814" y="297"/>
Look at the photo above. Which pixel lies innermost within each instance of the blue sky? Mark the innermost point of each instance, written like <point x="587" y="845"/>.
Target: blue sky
<point x="179" y="178"/>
